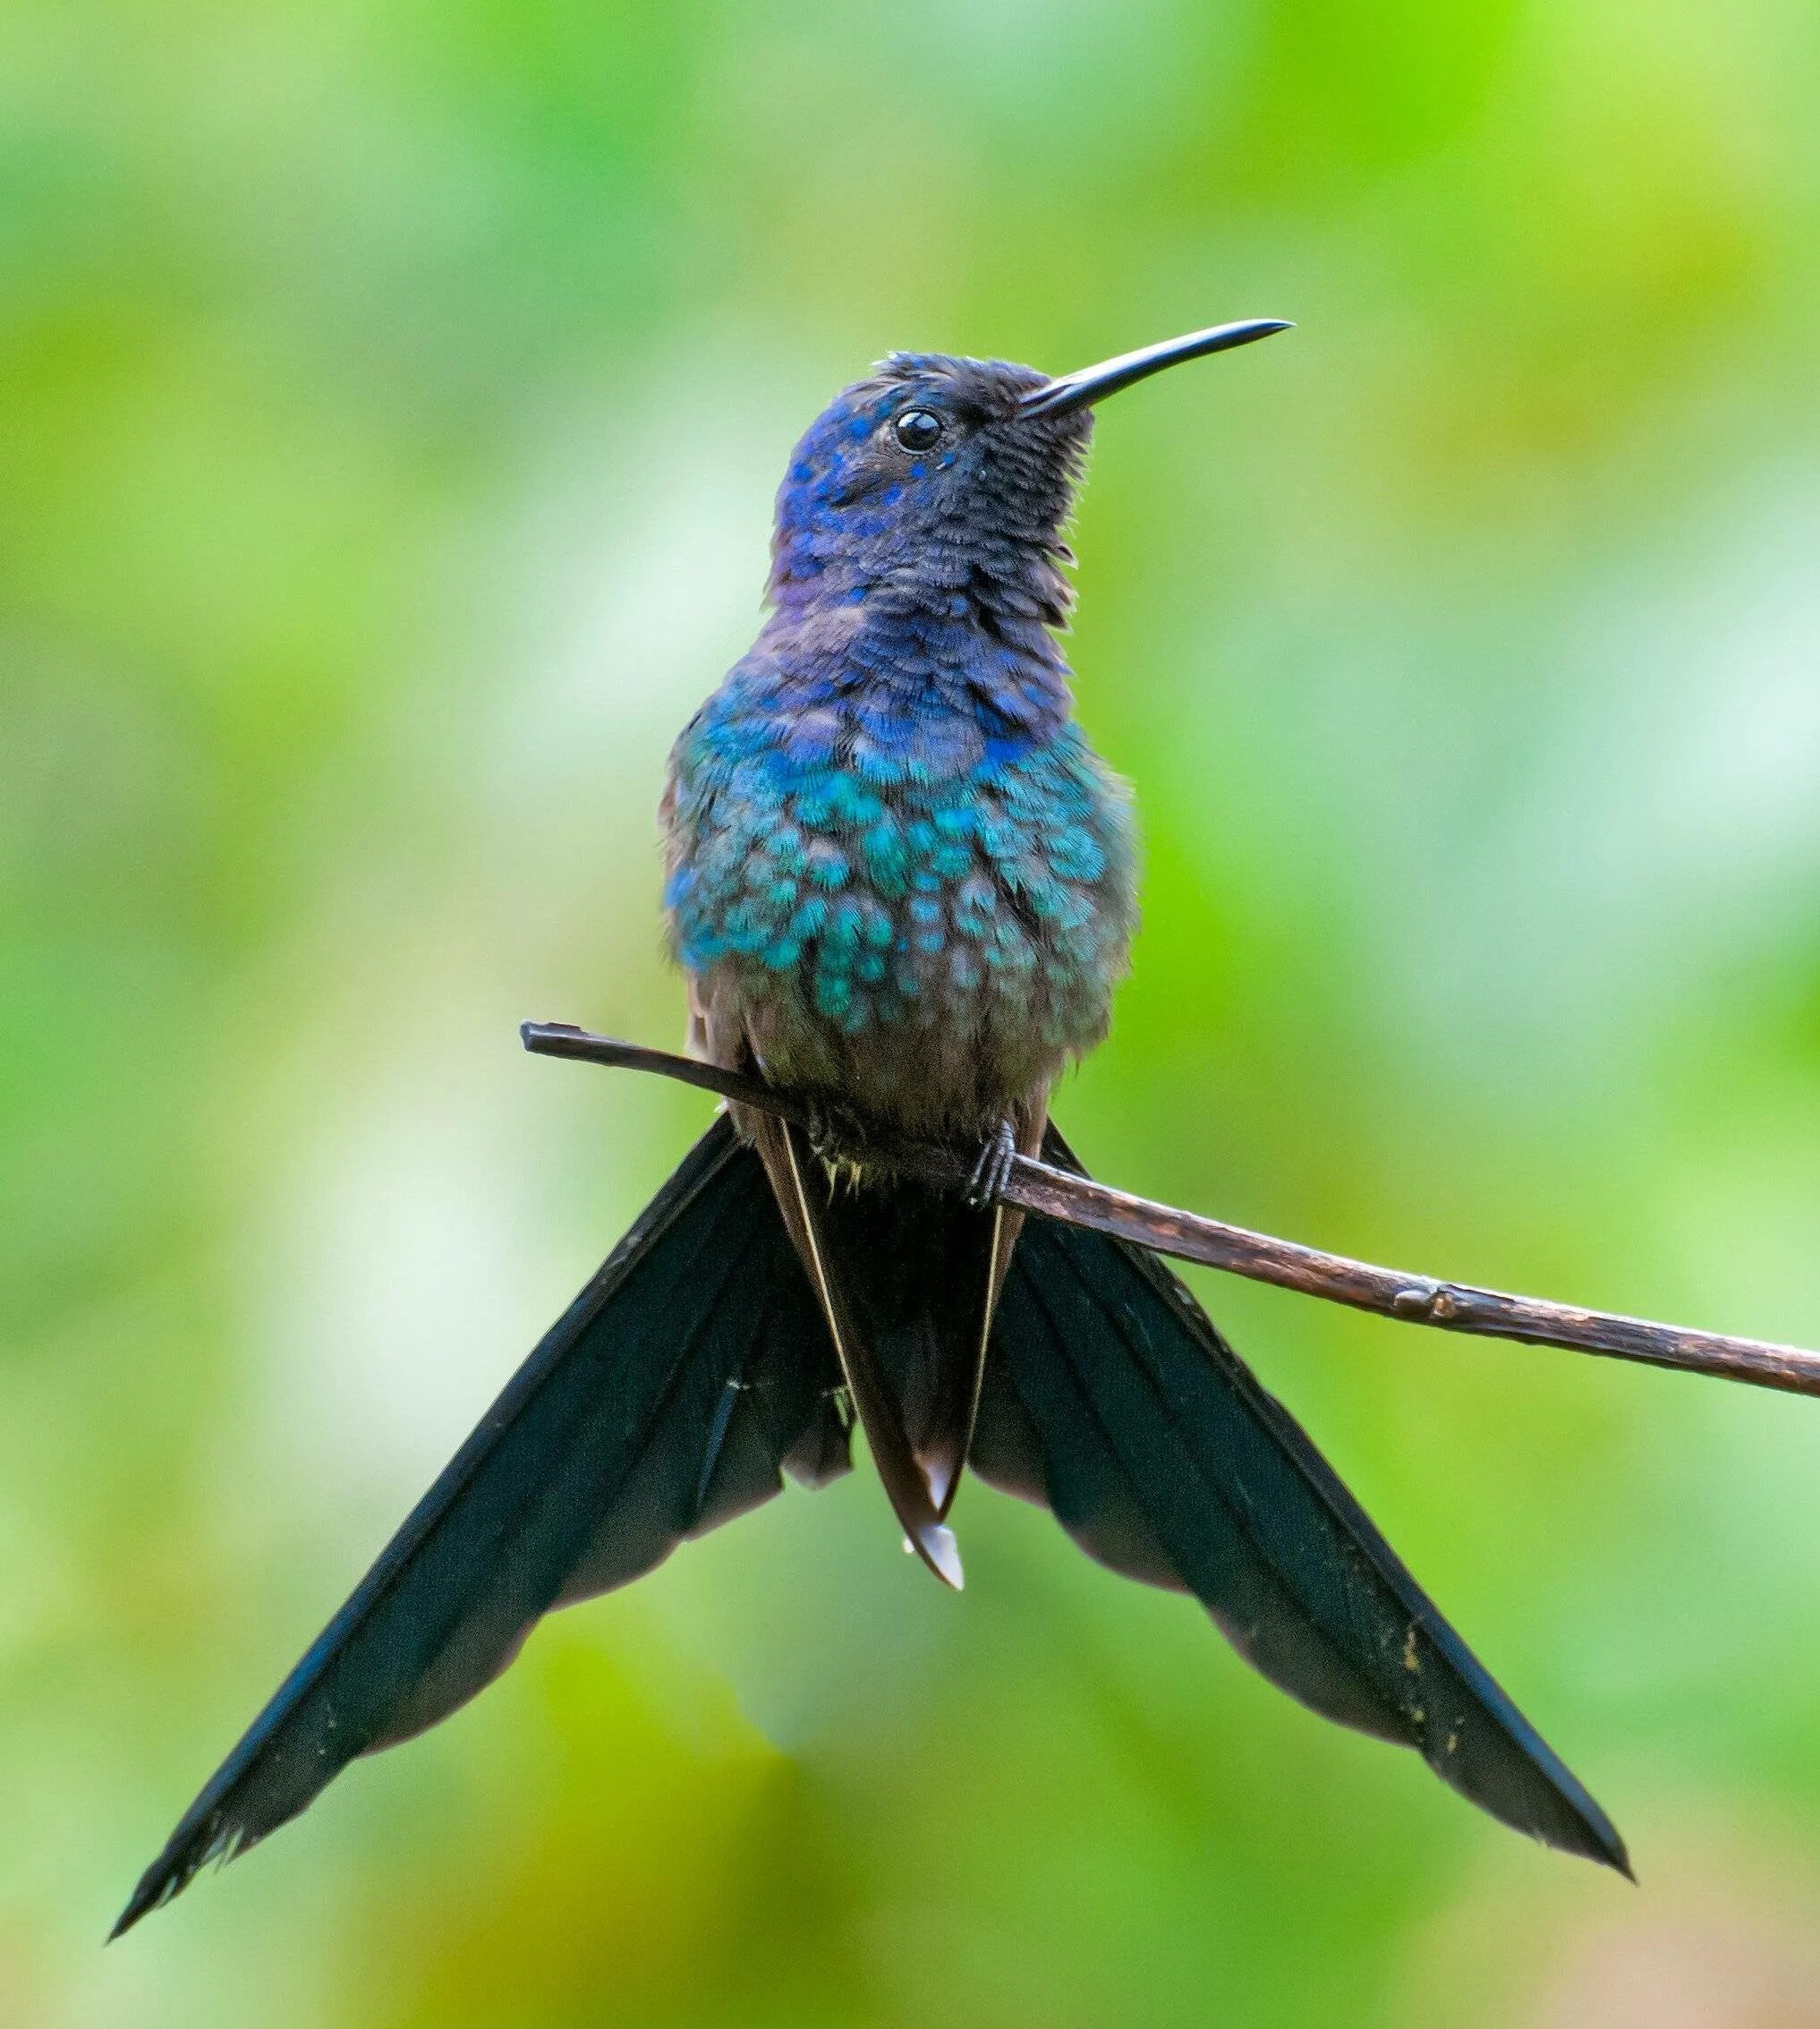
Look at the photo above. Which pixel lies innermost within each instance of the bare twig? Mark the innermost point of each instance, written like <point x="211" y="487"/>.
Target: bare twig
<point x="1049" y="1193"/>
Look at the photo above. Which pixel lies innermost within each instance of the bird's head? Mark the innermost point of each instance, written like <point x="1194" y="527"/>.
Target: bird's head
<point x="946" y="483"/>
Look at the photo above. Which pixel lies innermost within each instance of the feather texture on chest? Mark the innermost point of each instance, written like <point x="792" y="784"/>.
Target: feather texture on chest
<point x="894" y="861"/>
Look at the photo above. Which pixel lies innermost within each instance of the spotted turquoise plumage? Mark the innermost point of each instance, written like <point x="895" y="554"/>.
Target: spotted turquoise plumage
<point x="898" y="879"/>
<point x="895" y="867"/>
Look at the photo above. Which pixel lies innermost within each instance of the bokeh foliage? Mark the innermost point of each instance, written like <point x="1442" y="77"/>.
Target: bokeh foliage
<point x="390" y="400"/>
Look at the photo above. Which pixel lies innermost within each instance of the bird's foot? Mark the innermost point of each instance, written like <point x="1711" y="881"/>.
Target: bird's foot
<point x="993" y="1171"/>
<point x="835" y="1133"/>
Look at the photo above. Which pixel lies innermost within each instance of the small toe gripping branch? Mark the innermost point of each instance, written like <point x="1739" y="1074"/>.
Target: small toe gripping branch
<point x="1049" y="1193"/>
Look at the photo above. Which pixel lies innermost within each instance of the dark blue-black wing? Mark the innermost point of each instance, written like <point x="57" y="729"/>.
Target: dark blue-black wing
<point x="1110" y="1397"/>
<point x="692" y="1369"/>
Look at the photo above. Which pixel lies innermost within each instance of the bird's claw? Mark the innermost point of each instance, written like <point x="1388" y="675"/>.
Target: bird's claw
<point x="835" y="1135"/>
<point x="993" y="1171"/>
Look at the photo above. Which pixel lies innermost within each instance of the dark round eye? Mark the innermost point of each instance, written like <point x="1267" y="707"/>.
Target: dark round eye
<point x="917" y="429"/>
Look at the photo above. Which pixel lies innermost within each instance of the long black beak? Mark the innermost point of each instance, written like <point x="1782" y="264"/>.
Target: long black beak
<point x="1094" y="383"/>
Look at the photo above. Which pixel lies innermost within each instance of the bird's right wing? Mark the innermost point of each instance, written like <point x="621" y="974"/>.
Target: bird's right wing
<point x="1109" y="1398"/>
<point x="692" y="1368"/>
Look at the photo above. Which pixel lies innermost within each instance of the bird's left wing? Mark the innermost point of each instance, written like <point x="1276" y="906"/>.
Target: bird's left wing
<point x="692" y="1368"/>
<point x="1109" y="1398"/>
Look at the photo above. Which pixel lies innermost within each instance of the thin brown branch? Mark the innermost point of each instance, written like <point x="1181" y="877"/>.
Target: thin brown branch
<point x="1049" y="1193"/>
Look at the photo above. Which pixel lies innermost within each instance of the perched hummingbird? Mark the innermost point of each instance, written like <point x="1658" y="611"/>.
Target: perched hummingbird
<point x="901" y="885"/>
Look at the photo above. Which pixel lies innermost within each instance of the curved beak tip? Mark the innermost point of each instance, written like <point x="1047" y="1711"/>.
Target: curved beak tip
<point x="1093" y="384"/>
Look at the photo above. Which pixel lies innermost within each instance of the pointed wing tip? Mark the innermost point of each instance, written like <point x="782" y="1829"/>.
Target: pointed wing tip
<point x="1602" y="1846"/>
<point x="938" y="1550"/>
<point x="1609" y="1849"/>
<point x="1586" y="1833"/>
<point x="154" y="1889"/>
<point x="172" y="1872"/>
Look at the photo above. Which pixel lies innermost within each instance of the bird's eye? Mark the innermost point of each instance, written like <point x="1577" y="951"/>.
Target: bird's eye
<point x="917" y="429"/>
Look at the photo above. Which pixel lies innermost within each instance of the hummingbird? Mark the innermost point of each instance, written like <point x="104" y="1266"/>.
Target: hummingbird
<point x="901" y="886"/>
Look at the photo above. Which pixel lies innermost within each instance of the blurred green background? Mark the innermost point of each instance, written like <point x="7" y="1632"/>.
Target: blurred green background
<point x="391" y="399"/>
